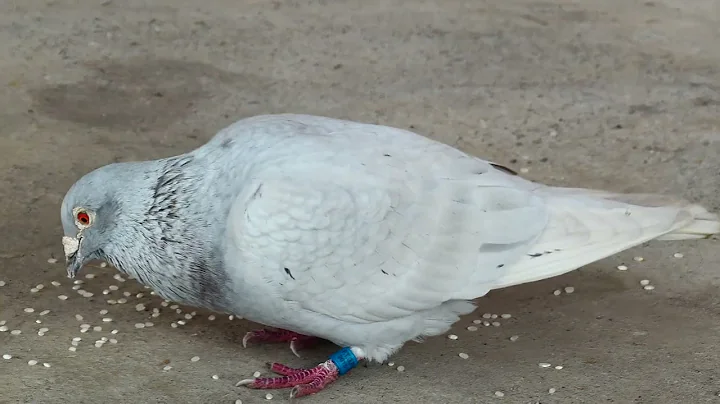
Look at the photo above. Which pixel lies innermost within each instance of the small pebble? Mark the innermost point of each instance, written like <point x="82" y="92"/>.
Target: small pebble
<point x="569" y="289"/>
<point x="114" y="332"/>
<point x="174" y="307"/>
<point x="7" y="356"/>
<point x="486" y="323"/>
<point x="34" y="290"/>
<point x="453" y="336"/>
<point x="140" y="307"/>
<point x="463" y="355"/>
<point x="52" y="260"/>
<point x="107" y="320"/>
<point x="103" y="264"/>
<point x="256" y="374"/>
<point x="97" y="328"/>
<point x="238" y="401"/>
<point x="644" y="282"/>
<point x="514" y="338"/>
<point x="78" y="282"/>
<point x="678" y="255"/>
<point x="180" y="322"/>
<point x="32" y="362"/>
<point x="113" y="287"/>
<point x="47" y="365"/>
<point x="401" y="368"/>
<point x="149" y="324"/>
<point x="15" y="332"/>
<point x="506" y="316"/>
<point x="44" y="312"/>
<point x="78" y="317"/>
<point x="649" y="287"/>
<point x="173" y="325"/>
<point x="140" y="295"/>
<point x="166" y="368"/>
<point x="558" y="367"/>
<point x="76" y="287"/>
<point x="195" y="359"/>
<point x="215" y="377"/>
<point x="3" y="322"/>
<point x="89" y="276"/>
<point x="103" y="312"/>
<point x="122" y="300"/>
<point x="477" y="321"/>
<point x="639" y="259"/>
<point x="113" y="341"/>
<point x="72" y="349"/>
<point x="3" y="328"/>
<point x="211" y="317"/>
<point x="552" y="390"/>
<point x="55" y="283"/>
<point x="231" y="317"/>
<point x="62" y="297"/>
<point x="29" y="310"/>
<point x="486" y="315"/>
<point x="472" y="328"/>
<point x="557" y="292"/>
<point x="44" y="330"/>
<point x="40" y="287"/>
<point x="544" y="365"/>
<point x="77" y="339"/>
<point x="622" y="268"/>
<point x="391" y="364"/>
<point x="139" y="325"/>
<point x="499" y="394"/>
<point x="268" y="396"/>
<point x="494" y="316"/>
<point x="2" y="283"/>
<point x="496" y="324"/>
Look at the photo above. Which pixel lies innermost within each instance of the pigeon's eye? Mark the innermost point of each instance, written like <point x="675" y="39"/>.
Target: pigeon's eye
<point x="83" y="218"/>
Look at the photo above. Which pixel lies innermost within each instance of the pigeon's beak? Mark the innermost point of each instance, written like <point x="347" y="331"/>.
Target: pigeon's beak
<point x="74" y="262"/>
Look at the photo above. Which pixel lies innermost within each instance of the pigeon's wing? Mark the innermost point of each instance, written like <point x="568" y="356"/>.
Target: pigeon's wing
<point x="370" y="235"/>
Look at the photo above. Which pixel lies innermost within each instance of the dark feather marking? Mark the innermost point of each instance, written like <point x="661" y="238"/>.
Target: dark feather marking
<point x="287" y="271"/>
<point x="504" y="169"/>
<point x="535" y="255"/>
<point x="203" y="280"/>
<point x="383" y="271"/>
<point x="501" y="265"/>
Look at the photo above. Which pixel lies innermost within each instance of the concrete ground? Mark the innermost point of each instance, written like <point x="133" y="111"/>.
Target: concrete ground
<point x="615" y="94"/>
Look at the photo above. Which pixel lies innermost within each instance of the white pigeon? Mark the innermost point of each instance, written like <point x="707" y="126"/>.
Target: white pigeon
<point x="364" y="235"/>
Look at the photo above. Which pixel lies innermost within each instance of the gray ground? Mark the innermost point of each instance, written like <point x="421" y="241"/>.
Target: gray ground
<point x="615" y="94"/>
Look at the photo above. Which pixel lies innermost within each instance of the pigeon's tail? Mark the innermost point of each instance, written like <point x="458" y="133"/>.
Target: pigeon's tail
<point x="587" y="225"/>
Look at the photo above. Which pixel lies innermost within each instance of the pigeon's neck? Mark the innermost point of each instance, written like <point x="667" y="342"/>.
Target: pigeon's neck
<point x="170" y="245"/>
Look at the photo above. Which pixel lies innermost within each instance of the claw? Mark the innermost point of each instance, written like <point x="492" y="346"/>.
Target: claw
<point x="297" y="341"/>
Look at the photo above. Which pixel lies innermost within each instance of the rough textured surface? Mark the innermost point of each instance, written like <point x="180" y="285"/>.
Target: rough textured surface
<point x="623" y="95"/>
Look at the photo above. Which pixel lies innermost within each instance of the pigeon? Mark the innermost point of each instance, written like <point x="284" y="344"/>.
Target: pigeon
<point x="363" y="235"/>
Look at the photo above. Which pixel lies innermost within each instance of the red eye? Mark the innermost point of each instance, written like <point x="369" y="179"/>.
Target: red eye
<point x="83" y="218"/>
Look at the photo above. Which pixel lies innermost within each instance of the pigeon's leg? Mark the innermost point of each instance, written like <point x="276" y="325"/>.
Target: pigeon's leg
<point x="297" y="341"/>
<point x="308" y="381"/>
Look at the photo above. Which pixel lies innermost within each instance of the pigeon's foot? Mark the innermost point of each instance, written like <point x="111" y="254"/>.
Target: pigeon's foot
<point x="305" y="381"/>
<point x="297" y="341"/>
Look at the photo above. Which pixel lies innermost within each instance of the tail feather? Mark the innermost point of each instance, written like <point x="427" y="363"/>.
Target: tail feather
<point x="588" y="225"/>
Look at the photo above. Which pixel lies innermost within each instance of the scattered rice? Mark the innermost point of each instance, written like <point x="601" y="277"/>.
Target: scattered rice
<point x="644" y="282"/>
<point x="268" y="396"/>
<point x="678" y="255"/>
<point x="452" y="336"/>
<point x="215" y="377"/>
<point x="622" y="268"/>
<point x="463" y="355"/>
<point x="499" y="394"/>
<point x="194" y="359"/>
<point x="552" y="390"/>
<point x="569" y="289"/>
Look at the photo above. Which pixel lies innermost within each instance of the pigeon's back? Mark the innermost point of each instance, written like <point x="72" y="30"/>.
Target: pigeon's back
<point x="358" y="233"/>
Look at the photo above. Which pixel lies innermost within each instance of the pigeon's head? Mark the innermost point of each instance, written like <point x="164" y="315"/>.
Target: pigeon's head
<point x="90" y="212"/>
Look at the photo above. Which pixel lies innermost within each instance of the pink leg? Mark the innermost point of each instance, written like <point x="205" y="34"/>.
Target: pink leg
<point x="302" y="381"/>
<point x="297" y="341"/>
<point x="306" y="381"/>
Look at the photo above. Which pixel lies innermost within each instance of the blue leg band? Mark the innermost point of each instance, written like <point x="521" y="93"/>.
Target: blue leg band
<point x="344" y="359"/>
